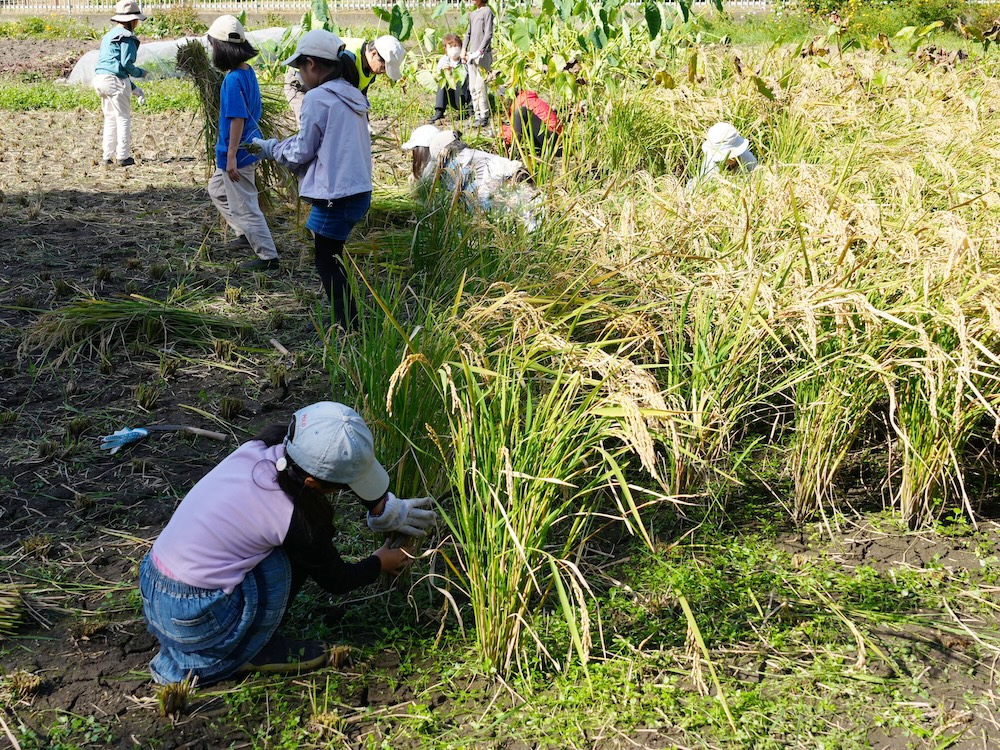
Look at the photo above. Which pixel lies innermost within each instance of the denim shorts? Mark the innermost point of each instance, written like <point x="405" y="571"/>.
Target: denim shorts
<point x="208" y="633"/>
<point x="335" y="219"/>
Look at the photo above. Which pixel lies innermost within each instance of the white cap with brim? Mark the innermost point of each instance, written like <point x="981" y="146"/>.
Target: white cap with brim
<point x="331" y="442"/>
<point x="316" y="43"/>
<point x="723" y="142"/>
<point x="127" y="10"/>
<point x="227" y="29"/>
<point x="393" y="53"/>
<point x="421" y="137"/>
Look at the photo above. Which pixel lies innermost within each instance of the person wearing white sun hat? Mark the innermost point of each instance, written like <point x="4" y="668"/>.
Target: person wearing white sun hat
<point x="724" y="148"/>
<point x="332" y="156"/>
<point x="220" y="577"/>
<point x="370" y="59"/>
<point x="115" y="65"/>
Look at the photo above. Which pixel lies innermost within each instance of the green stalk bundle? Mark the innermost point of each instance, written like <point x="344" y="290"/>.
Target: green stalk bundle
<point x="99" y="325"/>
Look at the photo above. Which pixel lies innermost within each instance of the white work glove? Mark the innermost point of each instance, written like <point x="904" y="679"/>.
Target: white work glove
<point x="408" y="516"/>
<point x="139" y="94"/>
<point x="266" y="146"/>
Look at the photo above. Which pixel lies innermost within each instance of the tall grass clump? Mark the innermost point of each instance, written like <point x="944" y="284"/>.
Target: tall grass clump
<point x="545" y="431"/>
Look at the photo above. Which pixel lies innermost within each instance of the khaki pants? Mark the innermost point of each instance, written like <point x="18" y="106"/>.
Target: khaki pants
<point x="477" y="88"/>
<point x="116" y="103"/>
<point x="238" y="204"/>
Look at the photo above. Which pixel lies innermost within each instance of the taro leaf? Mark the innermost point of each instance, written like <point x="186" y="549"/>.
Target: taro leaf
<point x="654" y="20"/>
<point x="686" y="7"/>
<point x="930" y="27"/>
<point x="320" y="13"/>
<point x="429" y="39"/>
<point x="598" y="38"/>
<point x="427" y="80"/>
<point x="548" y="8"/>
<point x="906" y="32"/>
<point x="693" y="66"/>
<point x="523" y="33"/>
<point x="441" y="9"/>
<point x="382" y="14"/>
<point x="762" y="87"/>
<point x="663" y="78"/>
<point x="558" y="62"/>
<point x="566" y="9"/>
<point x="307" y="21"/>
<point x="401" y="22"/>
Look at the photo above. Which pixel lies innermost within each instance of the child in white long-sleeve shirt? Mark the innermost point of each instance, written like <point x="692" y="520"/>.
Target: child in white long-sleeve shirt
<point x="332" y="155"/>
<point x="115" y="63"/>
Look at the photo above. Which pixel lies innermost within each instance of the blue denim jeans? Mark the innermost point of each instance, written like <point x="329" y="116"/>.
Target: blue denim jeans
<point x="208" y="633"/>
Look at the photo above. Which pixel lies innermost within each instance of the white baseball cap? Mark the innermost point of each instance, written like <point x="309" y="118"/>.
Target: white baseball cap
<point x="127" y="10"/>
<point x="723" y="142"/>
<point x="421" y="136"/>
<point x="228" y="29"/>
<point x="316" y="43"/>
<point x="393" y="53"/>
<point x="331" y="442"/>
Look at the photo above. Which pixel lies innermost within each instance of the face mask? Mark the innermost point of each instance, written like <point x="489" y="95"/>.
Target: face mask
<point x="454" y="52"/>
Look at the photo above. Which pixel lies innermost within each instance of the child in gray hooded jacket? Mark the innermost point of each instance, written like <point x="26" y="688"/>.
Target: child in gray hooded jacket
<point x="332" y="157"/>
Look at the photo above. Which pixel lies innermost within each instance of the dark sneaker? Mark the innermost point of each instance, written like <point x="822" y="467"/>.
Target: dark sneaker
<point x="126" y="162"/>
<point x="237" y="243"/>
<point x="260" y="264"/>
<point x="283" y="655"/>
<point x="480" y="123"/>
<point x="438" y="117"/>
<point x="108" y="162"/>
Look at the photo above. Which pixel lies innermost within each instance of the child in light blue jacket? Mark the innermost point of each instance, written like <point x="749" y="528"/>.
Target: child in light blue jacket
<point x="116" y="62"/>
<point x="332" y="157"/>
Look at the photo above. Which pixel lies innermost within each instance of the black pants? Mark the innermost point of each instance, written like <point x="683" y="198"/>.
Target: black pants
<point x="459" y="99"/>
<point x="523" y="120"/>
<point x="330" y="266"/>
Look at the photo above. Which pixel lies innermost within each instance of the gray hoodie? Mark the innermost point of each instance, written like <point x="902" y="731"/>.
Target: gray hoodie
<point x="332" y="152"/>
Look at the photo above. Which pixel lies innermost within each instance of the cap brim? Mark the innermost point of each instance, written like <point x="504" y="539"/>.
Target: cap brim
<point x="130" y="17"/>
<point x="293" y="61"/>
<point x="411" y="144"/>
<point x="373" y="484"/>
<point x="394" y="72"/>
<point x="727" y="152"/>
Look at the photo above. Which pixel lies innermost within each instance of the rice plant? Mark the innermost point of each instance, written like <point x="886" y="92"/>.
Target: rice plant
<point x="95" y="326"/>
<point x="11" y="610"/>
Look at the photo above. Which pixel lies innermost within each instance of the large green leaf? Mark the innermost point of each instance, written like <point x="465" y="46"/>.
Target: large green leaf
<point x="522" y="33"/>
<point x="400" y="22"/>
<point x="686" y="7"/>
<point x="654" y="20"/>
<point x="320" y="13"/>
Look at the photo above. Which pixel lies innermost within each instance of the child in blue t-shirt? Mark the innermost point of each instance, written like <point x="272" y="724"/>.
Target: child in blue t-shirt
<point x="233" y="187"/>
<point x="115" y="63"/>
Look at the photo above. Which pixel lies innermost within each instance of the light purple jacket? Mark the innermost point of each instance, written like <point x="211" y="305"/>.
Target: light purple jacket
<point x="332" y="152"/>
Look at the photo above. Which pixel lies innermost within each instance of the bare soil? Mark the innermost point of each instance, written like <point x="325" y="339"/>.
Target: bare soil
<point x="45" y="58"/>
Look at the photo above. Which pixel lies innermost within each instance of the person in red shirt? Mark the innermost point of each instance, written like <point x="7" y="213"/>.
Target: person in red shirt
<point x="534" y="125"/>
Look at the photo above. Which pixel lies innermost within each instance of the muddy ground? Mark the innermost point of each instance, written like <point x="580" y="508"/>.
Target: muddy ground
<point x="75" y="521"/>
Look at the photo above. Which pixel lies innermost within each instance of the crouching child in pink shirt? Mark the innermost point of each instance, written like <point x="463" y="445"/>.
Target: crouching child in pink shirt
<point x="221" y="575"/>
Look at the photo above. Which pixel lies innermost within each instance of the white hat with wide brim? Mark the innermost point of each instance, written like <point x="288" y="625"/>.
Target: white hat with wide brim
<point x="127" y="10"/>
<point x="723" y="142"/>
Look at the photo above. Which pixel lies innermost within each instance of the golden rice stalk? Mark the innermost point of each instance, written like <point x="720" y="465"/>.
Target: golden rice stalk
<point x="11" y="606"/>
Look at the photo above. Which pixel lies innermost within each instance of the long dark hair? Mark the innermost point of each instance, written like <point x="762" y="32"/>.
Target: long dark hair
<point x="292" y="480"/>
<point x="335" y="68"/>
<point x="231" y="55"/>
